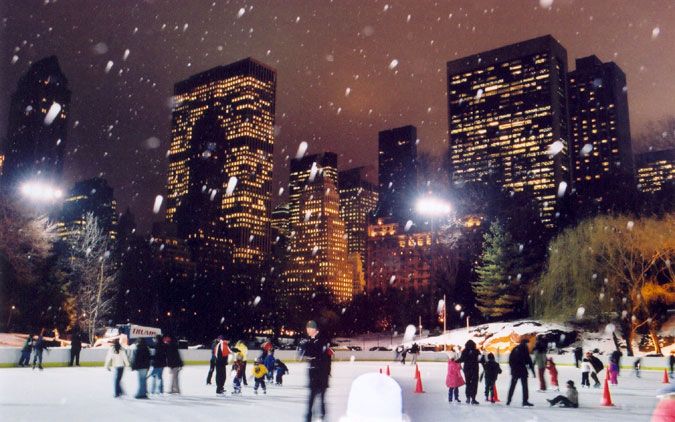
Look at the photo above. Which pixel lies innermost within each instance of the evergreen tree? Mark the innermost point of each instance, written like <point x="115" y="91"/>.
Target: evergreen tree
<point x="503" y="274"/>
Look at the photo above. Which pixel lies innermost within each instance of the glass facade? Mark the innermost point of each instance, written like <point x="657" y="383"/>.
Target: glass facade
<point x="656" y="170"/>
<point x="93" y="196"/>
<point x="397" y="172"/>
<point x="358" y="200"/>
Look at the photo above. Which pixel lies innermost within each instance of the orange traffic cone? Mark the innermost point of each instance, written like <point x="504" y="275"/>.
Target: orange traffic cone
<point x="495" y="396"/>
<point x="665" y="376"/>
<point x="388" y="372"/>
<point x="417" y="371"/>
<point x="418" y="386"/>
<point x="606" y="397"/>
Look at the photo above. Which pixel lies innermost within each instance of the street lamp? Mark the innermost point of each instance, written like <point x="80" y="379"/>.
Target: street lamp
<point x="9" y="320"/>
<point x="39" y="191"/>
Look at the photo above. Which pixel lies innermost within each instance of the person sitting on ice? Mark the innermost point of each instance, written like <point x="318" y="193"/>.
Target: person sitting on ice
<point x="259" y="372"/>
<point x="553" y="372"/>
<point x="570" y="399"/>
<point x="281" y="370"/>
<point x="453" y="379"/>
<point x="491" y="372"/>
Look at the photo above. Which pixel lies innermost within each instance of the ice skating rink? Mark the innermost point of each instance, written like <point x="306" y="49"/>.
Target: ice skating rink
<point x="85" y="394"/>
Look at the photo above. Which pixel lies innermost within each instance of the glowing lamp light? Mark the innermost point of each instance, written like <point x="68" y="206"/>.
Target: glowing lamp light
<point x="432" y="206"/>
<point x="41" y="192"/>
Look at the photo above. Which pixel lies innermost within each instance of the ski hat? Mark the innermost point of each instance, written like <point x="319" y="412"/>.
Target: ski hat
<point x="312" y="324"/>
<point x="374" y="397"/>
<point x="570" y="383"/>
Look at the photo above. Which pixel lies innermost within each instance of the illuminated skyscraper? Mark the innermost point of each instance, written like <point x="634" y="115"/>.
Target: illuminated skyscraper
<point x="318" y="255"/>
<point x="358" y="200"/>
<point x="220" y="160"/>
<point x="281" y="219"/>
<point x="600" y="134"/>
<point x="397" y="172"/>
<point x="506" y="109"/>
<point x="38" y="122"/>
<point x="93" y="196"/>
<point x="656" y="170"/>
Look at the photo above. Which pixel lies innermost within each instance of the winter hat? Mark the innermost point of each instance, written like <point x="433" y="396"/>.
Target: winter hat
<point x="374" y="397"/>
<point x="570" y="383"/>
<point x="312" y="324"/>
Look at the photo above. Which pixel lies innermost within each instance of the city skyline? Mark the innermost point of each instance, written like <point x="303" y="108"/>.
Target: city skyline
<point x="141" y="122"/>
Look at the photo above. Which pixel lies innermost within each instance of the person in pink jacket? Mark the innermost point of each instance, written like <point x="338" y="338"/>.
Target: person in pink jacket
<point x="454" y="378"/>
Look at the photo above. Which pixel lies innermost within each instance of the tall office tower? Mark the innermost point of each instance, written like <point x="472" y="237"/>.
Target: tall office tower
<point x="318" y="256"/>
<point x="358" y="200"/>
<point x="601" y="155"/>
<point x="397" y="171"/>
<point x="656" y="170"/>
<point x="301" y="171"/>
<point x="281" y="219"/>
<point x="37" y="127"/>
<point x="507" y="118"/>
<point x="93" y="196"/>
<point x="220" y="161"/>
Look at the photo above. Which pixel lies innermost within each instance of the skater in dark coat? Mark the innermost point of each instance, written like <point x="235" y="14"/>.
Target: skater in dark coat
<point x="140" y="363"/>
<point x="221" y="354"/>
<point x="174" y="362"/>
<point x="39" y="347"/>
<point x="281" y="370"/>
<point x="75" y="348"/>
<point x="158" y="365"/>
<point x="578" y="355"/>
<point x="597" y="366"/>
<point x="25" y="351"/>
<point x="520" y="361"/>
<point x="318" y="355"/>
<point x="469" y="357"/>
<point x="212" y="361"/>
<point x="491" y="371"/>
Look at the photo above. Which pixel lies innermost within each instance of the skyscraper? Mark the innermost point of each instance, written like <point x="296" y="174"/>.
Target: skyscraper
<point x="318" y="257"/>
<point x="358" y="200"/>
<point x="38" y="122"/>
<point x="507" y="118"/>
<point x="397" y="172"/>
<point x="281" y="219"/>
<point x="93" y="196"/>
<point x="656" y="170"/>
<point x="601" y="155"/>
<point x="220" y="160"/>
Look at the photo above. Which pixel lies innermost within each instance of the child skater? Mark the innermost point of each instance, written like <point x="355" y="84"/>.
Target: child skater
<point x="492" y="371"/>
<point x="281" y="370"/>
<point x="553" y="372"/>
<point x="613" y="372"/>
<point x="239" y="368"/>
<point x="453" y="379"/>
<point x="259" y="372"/>
<point x="585" y="372"/>
<point x="570" y="399"/>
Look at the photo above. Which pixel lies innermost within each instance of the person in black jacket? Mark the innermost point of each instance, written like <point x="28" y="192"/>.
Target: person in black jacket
<point x="317" y="353"/>
<point x="597" y="368"/>
<point x="174" y="362"/>
<point x="75" y="348"/>
<point x="221" y="355"/>
<point x="38" y="348"/>
<point x="491" y="371"/>
<point x="158" y="365"/>
<point x="519" y="361"/>
<point x="578" y="355"/>
<point x="469" y="358"/>
<point x="212" y="361"/>
<point x="26" y="351"/>
<point x="141" y="363"/>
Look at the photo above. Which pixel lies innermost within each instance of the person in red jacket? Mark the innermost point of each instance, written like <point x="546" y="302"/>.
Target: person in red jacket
<point x="221" y="351"/>
<point x="553" y="372"/>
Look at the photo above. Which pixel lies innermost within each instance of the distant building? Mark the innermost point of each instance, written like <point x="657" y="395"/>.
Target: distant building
<point x="600" y="151"/>
<point x="397" y="172"/>
<point x="37" y="127"/>
<point x="397" y="258"/>
<point x="358" y="201"/>
<point x="318" y="256"/>
<point x="507" y="119"/>
<point x="655" y="170"/>
<point x="220" y="163"/>
<point x="281" y="219"/>
<point x="93" y="196"/>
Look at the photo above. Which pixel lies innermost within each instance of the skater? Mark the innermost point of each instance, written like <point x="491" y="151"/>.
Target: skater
<point x="453" y="379"/>
<point x="318" y="354"/>
<point x="404" y="353"/>
<point x="520" y="361"/>
<point x="75" y="348"/>
<point x="26" y="351"/>
<point x="615" y="358"/>
<point x="259" y="373"/>
<point x="553" y="372"/>
<point x="212" y="361"/>
<point x="671" y="362"/>
<point x="141" y="363"/>
<point x="281" y="370"/>
<point x="174" y="362"/>
<point x="221" y="353"/>
<point x="597" y="367"/>
<point x="39" y="347"/>
<point x="469" y="358"/>
<point x="491" y="371"/>
<point x="585" y="371"/>
<point x="269" y="364"/>
<point x="238" y="368"/>
<point x="636" y="366"/>
<point x="570" y="399"/>
<point x="540" y="362"/>
<point x="578" y="355"/>
<point x="414" y="351"/>
<point x="158" y="365"/>
<point x="117" y="358"/>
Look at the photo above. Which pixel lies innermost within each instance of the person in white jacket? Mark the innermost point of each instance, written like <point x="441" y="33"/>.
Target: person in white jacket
<point x="117" y="358"/>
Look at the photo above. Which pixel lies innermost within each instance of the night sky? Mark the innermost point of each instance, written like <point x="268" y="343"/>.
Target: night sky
<point x="336" y="87"/>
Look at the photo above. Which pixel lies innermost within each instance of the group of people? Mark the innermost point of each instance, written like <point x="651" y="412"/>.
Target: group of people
<point x="402" y="353"/>
<point x="469" y="362"/>
<point x="147" y="363"/>
<point x="36" y="347"/>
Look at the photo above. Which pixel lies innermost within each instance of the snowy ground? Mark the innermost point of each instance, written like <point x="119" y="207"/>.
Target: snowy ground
<point x="85" y="394"/>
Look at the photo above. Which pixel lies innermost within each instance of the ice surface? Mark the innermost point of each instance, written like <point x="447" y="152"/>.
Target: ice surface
<point x="85" y="394"/>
